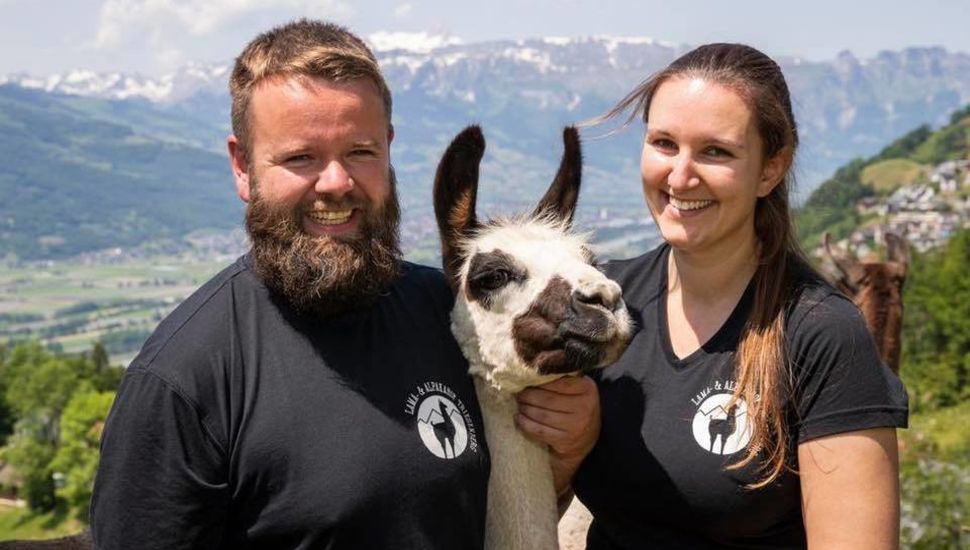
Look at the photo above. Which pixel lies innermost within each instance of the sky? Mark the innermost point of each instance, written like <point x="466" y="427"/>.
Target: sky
<point x="153" y="37"/>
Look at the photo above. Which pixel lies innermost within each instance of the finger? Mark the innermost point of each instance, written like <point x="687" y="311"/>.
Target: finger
<point x="570" y="385"/>
<point x="539" y="432"/>
<point x="548" y="417"/>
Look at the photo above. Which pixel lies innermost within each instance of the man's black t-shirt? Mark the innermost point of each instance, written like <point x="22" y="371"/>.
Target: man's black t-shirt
<point x="242" y="424"/>
<point x="657" y="476"/>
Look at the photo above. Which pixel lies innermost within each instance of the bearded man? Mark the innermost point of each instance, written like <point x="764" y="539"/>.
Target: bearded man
<point x="311" y="394"/>
<point x="286" y="404"/>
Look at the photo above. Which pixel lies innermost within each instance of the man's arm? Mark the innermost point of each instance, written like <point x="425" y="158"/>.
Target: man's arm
<point x="565" y="415"/>
<point x="161" y="481"/>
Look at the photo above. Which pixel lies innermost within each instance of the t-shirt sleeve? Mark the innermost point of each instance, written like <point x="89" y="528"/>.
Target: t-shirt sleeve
<point x="840" y="382"/>
<point x="161" y="481"/>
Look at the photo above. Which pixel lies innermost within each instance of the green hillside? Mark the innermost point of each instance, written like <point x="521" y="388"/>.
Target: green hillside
<point x="71" y="181"/>
<point x="909" y="159"/>
<point x="935" y="364"/>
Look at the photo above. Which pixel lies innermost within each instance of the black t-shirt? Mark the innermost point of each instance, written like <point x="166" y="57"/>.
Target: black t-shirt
<point x="244" y="425"/>
<point x="657" y="477"/>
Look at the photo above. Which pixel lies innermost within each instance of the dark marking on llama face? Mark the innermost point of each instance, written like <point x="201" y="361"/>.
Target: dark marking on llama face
<point x="564" y="331"/>
<point x="490" y="272"/>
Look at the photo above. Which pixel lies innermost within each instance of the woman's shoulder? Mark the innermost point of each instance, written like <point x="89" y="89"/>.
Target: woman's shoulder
<point x="816" y="303"/>
<point x="631" y="270"/>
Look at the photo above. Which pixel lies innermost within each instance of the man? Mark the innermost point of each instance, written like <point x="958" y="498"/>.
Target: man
<point x="310" y="395"/>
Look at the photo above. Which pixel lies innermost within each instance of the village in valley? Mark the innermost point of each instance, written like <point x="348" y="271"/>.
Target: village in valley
<point x="925" y="211"/>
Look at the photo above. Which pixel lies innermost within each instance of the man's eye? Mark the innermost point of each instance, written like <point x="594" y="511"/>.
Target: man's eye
<point x="362" y="153"/>
<point x="297" y="159"/>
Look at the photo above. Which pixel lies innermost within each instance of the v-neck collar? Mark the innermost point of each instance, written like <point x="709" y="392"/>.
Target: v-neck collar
<point x="726" y="337"/>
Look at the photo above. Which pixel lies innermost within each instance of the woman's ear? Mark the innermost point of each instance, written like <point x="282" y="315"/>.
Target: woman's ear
<point x="773" y="171"/>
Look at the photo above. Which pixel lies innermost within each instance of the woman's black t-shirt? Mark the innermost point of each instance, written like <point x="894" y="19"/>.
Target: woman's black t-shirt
<point x="657" y="477"/>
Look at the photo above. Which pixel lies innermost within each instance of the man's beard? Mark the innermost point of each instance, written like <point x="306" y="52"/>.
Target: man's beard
<point x="325" y="275"/>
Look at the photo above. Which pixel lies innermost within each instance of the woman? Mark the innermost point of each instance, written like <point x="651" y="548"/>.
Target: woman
<point x="751" y="409"/>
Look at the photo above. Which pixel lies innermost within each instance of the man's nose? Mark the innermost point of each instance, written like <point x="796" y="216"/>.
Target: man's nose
<point x="334" y="180"/>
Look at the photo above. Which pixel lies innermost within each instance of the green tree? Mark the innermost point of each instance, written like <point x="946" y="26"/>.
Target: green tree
<point x="38" y="386"/>
<point x="77" y="458"/>
<point x="936" y="330"/>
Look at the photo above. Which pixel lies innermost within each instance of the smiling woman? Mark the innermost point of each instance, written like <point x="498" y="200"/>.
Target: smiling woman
<point x="752" y="408"/>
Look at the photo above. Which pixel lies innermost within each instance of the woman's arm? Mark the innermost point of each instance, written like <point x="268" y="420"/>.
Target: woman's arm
<point x="850" y="490"/>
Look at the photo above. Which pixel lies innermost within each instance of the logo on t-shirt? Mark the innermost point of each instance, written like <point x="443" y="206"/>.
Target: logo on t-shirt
<point x="444" y="425"/>
<point x="720" y="427"/>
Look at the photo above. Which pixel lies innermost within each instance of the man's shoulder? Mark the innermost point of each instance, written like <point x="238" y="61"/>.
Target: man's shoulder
<point x="198" y="324"/>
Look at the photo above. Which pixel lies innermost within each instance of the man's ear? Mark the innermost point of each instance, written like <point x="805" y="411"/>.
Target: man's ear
<point x="240" y="167"/>
<point x="774" y="170"/>
<point x="390" y="133"/>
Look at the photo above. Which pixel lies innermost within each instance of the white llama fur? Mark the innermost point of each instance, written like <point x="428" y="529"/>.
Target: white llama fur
<point x="522" y="511"/>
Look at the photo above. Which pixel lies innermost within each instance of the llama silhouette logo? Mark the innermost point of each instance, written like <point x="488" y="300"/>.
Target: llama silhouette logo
<point x="720" y="428"/>
<point x="444" y="424"/>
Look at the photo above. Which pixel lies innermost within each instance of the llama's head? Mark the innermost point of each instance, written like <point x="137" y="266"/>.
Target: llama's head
<point x="877" y="288"/>
<point x="529" y="306"/>
<point x="855" y="277"/>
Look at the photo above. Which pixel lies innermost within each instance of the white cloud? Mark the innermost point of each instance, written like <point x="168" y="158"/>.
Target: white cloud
<point x="403" y="10"/>
<point x="121" y="19"/>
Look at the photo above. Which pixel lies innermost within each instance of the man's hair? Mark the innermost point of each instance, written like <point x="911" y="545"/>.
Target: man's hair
<point x="302" y="48"/>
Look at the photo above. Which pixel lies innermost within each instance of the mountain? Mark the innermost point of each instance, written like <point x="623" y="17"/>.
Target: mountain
<point x="73" y="181"/>
<point x="522" y="92"/>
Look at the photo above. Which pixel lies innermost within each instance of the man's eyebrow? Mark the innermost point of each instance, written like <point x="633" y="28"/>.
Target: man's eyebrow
<point x="365" y="143"/>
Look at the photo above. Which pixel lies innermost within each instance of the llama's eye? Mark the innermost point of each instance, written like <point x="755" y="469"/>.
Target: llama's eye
<point x="493" y="280"/>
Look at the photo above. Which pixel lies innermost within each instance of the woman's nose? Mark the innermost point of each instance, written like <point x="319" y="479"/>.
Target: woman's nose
<point x="681" y="175"/>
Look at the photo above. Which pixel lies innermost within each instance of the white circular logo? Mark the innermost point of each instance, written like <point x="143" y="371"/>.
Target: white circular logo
<point x="442" y="426"/>
<point x="720" y="429"/>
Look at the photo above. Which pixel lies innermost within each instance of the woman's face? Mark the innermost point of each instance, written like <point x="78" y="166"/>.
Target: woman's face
<point x="703" y="168"/>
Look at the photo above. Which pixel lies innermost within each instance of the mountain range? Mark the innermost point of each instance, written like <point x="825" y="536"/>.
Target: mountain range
<point x="94" y="160"/>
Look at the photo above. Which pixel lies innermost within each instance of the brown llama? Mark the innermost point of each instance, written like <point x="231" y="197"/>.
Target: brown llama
<point x="877" y="288"/>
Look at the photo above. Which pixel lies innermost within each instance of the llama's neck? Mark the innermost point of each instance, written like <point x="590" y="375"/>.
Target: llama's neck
<point x="522" y="513"/>
<point x="883" y="313"/>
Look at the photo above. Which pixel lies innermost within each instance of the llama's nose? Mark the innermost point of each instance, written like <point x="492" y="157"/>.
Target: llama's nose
<point x="606" y="295"/>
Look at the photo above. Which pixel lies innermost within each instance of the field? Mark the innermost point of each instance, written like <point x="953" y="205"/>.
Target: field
<point x="70" y="305"/>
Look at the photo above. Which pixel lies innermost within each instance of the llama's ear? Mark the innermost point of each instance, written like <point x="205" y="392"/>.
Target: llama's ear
<point x="897" y="250"/>
<point x="455" y="190"/>
<point x="843" y="264"/>
<point x="560" y="200"/>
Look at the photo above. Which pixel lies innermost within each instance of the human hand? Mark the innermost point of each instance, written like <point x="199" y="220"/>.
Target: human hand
<point x="565" y="415"/>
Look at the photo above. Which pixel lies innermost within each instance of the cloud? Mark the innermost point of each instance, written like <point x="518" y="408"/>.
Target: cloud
<point x="124" y="19"/>
<point x="403" y="10"/>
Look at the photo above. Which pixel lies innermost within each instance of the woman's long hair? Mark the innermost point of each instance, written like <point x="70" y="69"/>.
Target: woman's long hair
<point x="762" y="372"/>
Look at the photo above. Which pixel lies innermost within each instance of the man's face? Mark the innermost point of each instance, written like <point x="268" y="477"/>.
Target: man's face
<point x="323" y="212"/>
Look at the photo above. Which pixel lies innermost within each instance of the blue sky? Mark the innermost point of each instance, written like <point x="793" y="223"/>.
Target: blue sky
<point x="154" y="36"/>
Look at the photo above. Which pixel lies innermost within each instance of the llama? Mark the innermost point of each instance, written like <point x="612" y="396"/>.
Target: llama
<point x="529" y="308"/>
<point x="723" y="427"/>
<point x="877" y="288"/>
<point x="445" y="430"/>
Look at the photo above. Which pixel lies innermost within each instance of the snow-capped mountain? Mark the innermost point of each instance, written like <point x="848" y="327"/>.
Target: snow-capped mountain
<point x="521" y="92"/>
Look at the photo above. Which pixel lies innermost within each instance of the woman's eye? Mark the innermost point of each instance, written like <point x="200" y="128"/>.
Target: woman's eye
<point x="717" y="152"/>
<point x="663" y="143"/>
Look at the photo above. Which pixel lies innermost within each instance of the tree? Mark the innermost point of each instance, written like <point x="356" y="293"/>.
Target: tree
<point x="77" y="458"/>
<point x="38" y="386"/>
<point x="936" y="332"/>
